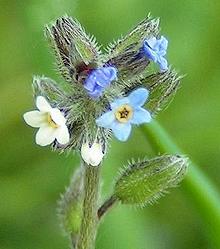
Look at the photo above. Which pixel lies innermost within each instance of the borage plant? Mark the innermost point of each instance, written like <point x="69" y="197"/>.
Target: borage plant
<point x="104" y="95"/>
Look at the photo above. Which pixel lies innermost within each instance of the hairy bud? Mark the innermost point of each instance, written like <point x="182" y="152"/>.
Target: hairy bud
<point x="145" y="181"/>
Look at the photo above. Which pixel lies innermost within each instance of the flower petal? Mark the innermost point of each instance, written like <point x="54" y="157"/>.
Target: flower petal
<point x="151" y="42"/>
<point x="45" y="135"/>
<point x="96" y="154"/>
<point x="119" y="102"/>
<point x="141" y="116"/>
<point x="57" y="116"/>
<point x="138" y="97"/>
<point x="42" y="104"/>
<point x="121" y="130"/>
<point x="106" y="119"/>
<point x="151" y="54"/>
<point x="35" y="118"/>
<point x="90" y="82"/>
<point x="105" y="76"/>
<point x="96" y="93"/>
<point x="163" y="43"/>
<point x="62" y="135"/>
<point x="92" y="155"/>
<point x="163" y="64"/>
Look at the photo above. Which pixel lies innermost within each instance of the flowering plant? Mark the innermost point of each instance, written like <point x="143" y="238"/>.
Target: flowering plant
<point x="104" y="95"/>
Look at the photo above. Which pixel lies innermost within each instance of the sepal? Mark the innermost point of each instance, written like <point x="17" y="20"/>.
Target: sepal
<point x="70" y="205"/>
<point x="76" y="52"/>
<point x="162" y="87"/>
<point x="127" y="55"/>
<point x="43" y="86"/>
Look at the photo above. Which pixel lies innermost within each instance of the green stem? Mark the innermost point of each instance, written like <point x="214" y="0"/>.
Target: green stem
<point x="203" y="191"/>
<point x="87" y="234"/>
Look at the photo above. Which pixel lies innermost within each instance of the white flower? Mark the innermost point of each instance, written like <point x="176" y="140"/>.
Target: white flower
<point x="50" y="121"/>
<point x="92" y="155"/>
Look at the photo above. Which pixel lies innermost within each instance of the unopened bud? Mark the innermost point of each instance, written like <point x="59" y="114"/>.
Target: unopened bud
<point x="145" y="181"/>
<point x="92" y="154"/>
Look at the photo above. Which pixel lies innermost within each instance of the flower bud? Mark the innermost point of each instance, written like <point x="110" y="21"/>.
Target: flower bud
<point x="92" y="154"/>
<point x="145" y="181"/>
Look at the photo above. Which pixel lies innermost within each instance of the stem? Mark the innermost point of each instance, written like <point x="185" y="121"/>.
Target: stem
<point x="106" y="206"/>
<point x="87" y="234"/>
<point x="204" y="192"/>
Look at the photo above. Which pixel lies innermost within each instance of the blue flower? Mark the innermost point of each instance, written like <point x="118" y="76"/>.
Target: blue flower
<point x="98" y="80"/>
<point x="155" y="50"/>
<point x="125" y="112"/>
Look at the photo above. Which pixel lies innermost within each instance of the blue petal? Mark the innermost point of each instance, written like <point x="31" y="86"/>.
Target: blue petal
<point x="106" y="120"/>
<point x="138" y="97"/>
<point x="163" y="63"/>
<point x="141" y="116"/>
<point x="121" y="130"/>
<point x="151" y="42"/>
<point x="90" y="83"/>
<point x="101" y="78"/>
<point x="119" y="102"/>
<point x="105" y="75"/>
<point x="163" y="43"/>
<point x="150" y="53"/>
<point x="110" y="73"/>
<point x="96" y="93"/>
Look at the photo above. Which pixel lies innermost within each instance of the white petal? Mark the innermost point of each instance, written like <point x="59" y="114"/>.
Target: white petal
<point x="35" y="118"/>
<point x="62" y="135"/>
<point x="96" y="154"/>
<point x="85" y="153"/>
<point x="92" y="155"/>
<point x="57" y="116"/>
<point x="45" y="135"/>
<point x="42" y="104"/>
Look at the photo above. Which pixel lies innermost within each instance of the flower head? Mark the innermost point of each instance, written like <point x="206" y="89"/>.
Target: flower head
<point x="98" y="80"/>
<point x="92" y="154"/>
<point x="155" y="49"/>
<point x="50" y="121"/>
<point x="125" y="112"/>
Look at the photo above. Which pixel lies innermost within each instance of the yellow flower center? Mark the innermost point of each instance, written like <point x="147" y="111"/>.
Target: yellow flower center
<point x="124" y="113"/>
<point x="51" y="122"/>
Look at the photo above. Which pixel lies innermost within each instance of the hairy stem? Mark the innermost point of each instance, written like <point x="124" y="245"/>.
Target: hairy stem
<point x="106" y="206"/>
<point x="203" y="192"/>
<point x="87" y="234"/>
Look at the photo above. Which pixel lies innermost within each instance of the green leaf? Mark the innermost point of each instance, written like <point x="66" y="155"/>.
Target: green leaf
<point x="145" y="181"/>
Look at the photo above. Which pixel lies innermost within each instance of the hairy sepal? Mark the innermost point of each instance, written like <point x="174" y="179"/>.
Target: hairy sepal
<point x="127" y="55"/>
<point x="70" y="205"/>
<point x="74" y="49"/>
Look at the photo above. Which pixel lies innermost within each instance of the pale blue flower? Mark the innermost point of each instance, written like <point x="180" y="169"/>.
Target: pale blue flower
<point x="125" y="112"/>
<point x="155" y="49"/>
<point x="98" y="80"/>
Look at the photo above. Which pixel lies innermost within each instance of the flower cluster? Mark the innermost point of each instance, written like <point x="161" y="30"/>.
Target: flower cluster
<point x="112" y="94"/>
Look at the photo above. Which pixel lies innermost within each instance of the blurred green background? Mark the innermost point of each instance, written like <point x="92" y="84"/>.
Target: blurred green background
<point x="32" y="177"/>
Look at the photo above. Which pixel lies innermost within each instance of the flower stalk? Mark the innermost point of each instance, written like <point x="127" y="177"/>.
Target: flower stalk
<point x="109" y="203"/>
<point x="87" y="233"/>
